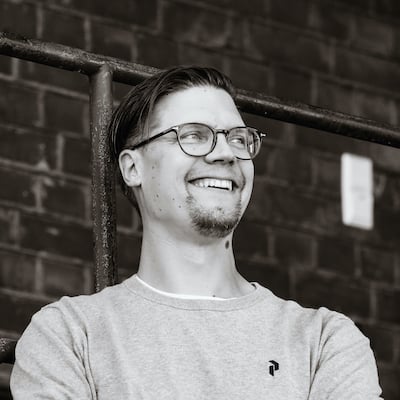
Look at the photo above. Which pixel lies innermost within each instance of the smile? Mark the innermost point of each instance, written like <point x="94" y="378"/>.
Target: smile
<point x="225" y="184"/>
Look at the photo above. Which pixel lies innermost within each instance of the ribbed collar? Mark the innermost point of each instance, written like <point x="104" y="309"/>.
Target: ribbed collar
<point x="137" y="288"/>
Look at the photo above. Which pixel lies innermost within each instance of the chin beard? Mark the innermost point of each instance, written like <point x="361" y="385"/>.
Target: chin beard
<point x="214" y="222"/>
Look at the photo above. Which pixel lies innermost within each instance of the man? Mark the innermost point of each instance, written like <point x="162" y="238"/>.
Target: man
<point x="188" y="325"/>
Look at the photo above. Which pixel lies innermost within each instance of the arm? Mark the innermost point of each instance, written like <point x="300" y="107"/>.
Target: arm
<point x="50" y="359"/>
<point x="346" y="368"/>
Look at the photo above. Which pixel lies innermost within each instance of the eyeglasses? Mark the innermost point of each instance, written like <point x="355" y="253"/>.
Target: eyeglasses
<point x="198" y="140"/>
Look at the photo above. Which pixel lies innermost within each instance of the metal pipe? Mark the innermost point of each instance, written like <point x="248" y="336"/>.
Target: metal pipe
<point x="73" y="59"/>
<point x="319" y="118"/>
<point x="7" y="350"/>
<point x="103" y="180"/>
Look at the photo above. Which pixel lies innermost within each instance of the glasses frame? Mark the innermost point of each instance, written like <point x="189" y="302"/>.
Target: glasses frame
<point x="176" y="128"/>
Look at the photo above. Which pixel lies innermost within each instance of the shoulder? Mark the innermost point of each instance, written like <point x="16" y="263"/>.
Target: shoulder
<point x="75" y="314"/>
<point x="320" y="323"/>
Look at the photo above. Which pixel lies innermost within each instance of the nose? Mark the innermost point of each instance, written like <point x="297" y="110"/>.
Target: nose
<point x="222" y="151"/>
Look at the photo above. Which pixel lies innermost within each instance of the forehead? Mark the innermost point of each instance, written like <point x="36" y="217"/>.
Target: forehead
<point x="206" y="104"/>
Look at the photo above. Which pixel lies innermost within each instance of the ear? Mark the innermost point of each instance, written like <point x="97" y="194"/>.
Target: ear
<point x="129" y="165"/>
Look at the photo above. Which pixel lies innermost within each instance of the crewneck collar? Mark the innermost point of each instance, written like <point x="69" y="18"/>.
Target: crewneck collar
<point x="134" y="285"/>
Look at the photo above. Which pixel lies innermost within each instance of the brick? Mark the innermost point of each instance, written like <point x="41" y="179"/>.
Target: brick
<point x="336" y="255"/>
<point x="357" y="102"/>
<point x="5" y="391"/>
<point x="375" y="107"/>
<point x="194" y="55"/>
<point x="28" y="146"/>
<point x="329" y="142"/>
<point x="9" y="226"/>
<point x="356" y="5"/>
<point x="387" y="225"/>
<point x="17" y="271"/>
<point x="290" y="84"/>
<point x="277" y="205"/>
<point x="64" y="113"/>
<point x="387" y="190"/>
<point x="19" y="18"/>
<point x="76" y="156"/>
<point x="63" y="197"/>
<point x="274" y="278"/>
<point x="113" y="41"/>
<point x="382" y="340"/>
<point x="258" y="8"/>
<point x="126" y="214"/>
<point x="46" y="234"/>
<point x="293" y="249"/>
<point x="17" y="311"/>
<point x="327" y="175"/>
<point x="17" y="187"/>
<point x="250" y="76"/>
<point x="251" y="241"/>
<point x="124" y="274"/>
<point x="366" y="69"/>
<point x="128" y="253"/>
<point x="343" y="295"/>
<point x="388" y="8"/>
<point x="54" y="76"/>
<point x="333" y="96"/>
<point x="157" y="51"/>
<point x="378" y="265"/>
<point x="373" y="36"/>
<point x="63" y="279"/>
<point x="197" y="25"/>
<point x="396" y="44"/>
<point x="277" y="132"/>
<point x="5" y="65"/>
<point x="298" y="14"/>
<point x="289" y="165"/>
<point x="389" y="381"/>
<point x="120" y="90"/>
<point x="63" y="28"/>
<point x="139" y="12"/>
<point x="388" y="305"/>
<point x="287" y="46"/>
<point x="18" y="104"/>
<point x="332" y="21"/>
<point x="385" y="157"/>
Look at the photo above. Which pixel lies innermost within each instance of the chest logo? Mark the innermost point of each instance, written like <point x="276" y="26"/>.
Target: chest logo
<point x="273" y="367"/>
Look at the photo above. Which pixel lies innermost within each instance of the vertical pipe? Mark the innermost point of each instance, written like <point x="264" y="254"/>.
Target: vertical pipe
<point x="103" y="180"/>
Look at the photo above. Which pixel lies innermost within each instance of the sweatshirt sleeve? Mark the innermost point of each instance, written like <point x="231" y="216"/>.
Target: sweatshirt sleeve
<point x="51" y="359"/>
<point x="346" y="369"/>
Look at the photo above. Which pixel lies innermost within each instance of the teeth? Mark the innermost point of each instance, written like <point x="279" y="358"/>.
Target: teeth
<point x="217" y="183"/>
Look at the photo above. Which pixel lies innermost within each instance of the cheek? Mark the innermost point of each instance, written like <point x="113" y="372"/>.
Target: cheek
<point x="249" y="175"/>
<point x="164" y="190"/>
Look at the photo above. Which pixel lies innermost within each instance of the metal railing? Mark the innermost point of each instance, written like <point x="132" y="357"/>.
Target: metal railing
<point x="102" y="71"/>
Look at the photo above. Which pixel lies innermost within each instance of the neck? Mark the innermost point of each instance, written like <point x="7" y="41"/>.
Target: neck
<point x="201" y="267"/>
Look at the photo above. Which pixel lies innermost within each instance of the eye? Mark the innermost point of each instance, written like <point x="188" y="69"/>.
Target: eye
<point x="194" y="134"/>
<point x="238" y="139"/>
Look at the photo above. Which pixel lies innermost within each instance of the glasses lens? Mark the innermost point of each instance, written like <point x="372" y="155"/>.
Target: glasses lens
<point x="245" y="142"/>
<point x="195" y="139"/>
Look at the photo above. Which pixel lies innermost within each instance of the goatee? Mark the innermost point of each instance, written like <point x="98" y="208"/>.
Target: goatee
<point x="215" y="222"/>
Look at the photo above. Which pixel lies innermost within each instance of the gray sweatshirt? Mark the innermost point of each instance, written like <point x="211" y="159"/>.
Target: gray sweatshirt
<point x="131" y="342"/>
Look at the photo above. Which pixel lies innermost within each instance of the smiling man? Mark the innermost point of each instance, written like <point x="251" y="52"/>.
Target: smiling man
<point x="188" y="325"/>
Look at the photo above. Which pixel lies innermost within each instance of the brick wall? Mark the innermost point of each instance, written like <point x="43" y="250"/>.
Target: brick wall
<point x="344" y="55"/>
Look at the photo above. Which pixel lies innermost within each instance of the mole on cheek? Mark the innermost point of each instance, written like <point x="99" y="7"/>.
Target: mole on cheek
<point x="227" y="245"/>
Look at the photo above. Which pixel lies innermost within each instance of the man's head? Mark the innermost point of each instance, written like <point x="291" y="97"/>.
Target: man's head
<point x="179" y="171"/>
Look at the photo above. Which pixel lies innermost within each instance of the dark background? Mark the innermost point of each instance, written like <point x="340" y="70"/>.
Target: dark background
<point x="340" y="54"/>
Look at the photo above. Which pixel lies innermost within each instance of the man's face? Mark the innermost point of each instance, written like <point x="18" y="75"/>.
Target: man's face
<point x="187" y="194"/>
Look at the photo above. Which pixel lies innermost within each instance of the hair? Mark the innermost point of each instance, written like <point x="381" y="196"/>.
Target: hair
<point x="130" y="120"/>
